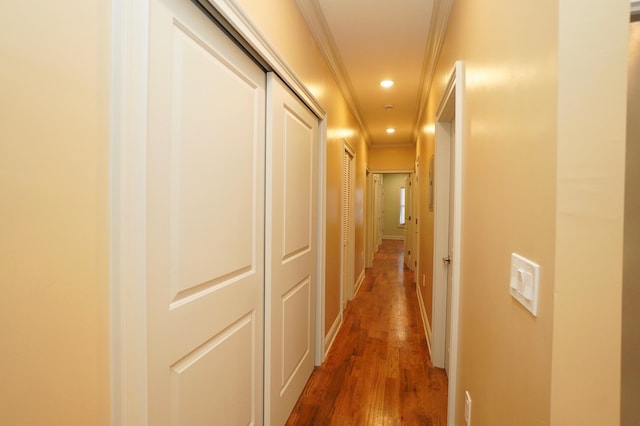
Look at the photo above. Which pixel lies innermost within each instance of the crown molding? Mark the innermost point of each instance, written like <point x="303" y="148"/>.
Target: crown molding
<point x="312" y="13"/>
<point x="437" y="30"/>
<point x="235" y="19"/>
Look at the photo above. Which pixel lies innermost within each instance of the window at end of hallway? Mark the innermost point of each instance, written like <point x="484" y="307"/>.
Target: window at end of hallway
<point x="401" y="220"/>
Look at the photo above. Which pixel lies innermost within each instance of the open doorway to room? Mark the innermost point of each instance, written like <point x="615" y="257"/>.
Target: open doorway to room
<point x="447" y="257"/>
<point x="390" y="212"/>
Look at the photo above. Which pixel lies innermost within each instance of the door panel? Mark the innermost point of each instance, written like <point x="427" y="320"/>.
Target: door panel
<point x="291" y="249"/>
<point x="205" y="231"/>
<point x="296" y="305"/>
<point x="347" y="228"/>
<point x="295" y="156"/>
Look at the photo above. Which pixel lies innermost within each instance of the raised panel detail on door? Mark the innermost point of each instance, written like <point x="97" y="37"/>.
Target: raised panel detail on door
<point x="205" y="223"/>
<point x="297" y="184"/>
<point x="291" y="249"/>
<point x="296" y="336"/>
<point x="199" y="122"/>
<point x="225" y="359"/>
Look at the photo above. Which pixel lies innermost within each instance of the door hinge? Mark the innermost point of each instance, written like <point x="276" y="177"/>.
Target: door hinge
<point x="415" y="263"/>
<point x="416" y="220"/>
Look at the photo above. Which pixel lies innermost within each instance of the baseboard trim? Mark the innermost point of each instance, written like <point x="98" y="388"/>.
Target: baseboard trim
<point x="425" y="320"/>
<point x="331" y="335"/>
<point x="393" y="237"/>
<point x="358" y="283"/>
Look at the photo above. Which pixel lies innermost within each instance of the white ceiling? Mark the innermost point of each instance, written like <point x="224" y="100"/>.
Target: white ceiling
<point x="366" y="41"/>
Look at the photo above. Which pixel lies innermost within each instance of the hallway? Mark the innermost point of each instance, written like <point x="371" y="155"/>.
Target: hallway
<point x="378" y="371"/>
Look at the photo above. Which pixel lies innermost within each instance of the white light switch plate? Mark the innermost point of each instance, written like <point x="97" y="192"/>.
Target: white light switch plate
<point x="525" y="276"/>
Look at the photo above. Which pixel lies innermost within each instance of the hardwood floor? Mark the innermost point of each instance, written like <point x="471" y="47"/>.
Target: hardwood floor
<point x="378" y="371"/>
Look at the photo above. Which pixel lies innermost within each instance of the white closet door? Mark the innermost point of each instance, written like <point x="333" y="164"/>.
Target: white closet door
<point x="205" y="223"/>
<point x="347" y="228"/>
<point x="291" y="249"/>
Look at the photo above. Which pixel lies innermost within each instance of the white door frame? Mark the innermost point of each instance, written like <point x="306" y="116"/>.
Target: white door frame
<point x="415" y="214"/>
<point x="127" y="204"/>
<point x="408" y="223"/>
<point x="370" y="220"/>
<point x="393" y="172"/>
<point x="451" y="105"/>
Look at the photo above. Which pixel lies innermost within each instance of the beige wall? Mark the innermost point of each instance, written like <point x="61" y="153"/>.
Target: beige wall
<point x="592" y="76"/>
<point x="526" y="190"/>
<point x="391" y="183"/>
<point x="630" y="413"/>
<point x="362" y="156"/>
<point x="424" y="151"/>
<point x="278" y="20"/>
<point x="381" y="159"/>
<point x="53" y="218"/>
<point x="508" y="202"/>
<point x="532" y="86"/>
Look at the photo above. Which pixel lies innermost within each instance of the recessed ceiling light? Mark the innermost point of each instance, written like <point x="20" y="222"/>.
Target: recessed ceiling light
<point x="388" y="106"/>
<point x="386" y="83"/>
<point x="391" y="130"/>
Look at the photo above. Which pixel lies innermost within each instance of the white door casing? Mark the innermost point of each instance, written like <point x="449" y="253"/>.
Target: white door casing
<point x="448" y="155"/>
<point x="205" y="231"/>
<point x="379" y="206"/>
<point x="408" y="223"/>
<point x="450" y="242"/>
<point x="291" y="249"/>
<point x="370" y="220"/>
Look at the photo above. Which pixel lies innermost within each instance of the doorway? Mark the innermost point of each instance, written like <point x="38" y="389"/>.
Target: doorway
<point x="447" y="224"/>
<point x="392" y="202"/>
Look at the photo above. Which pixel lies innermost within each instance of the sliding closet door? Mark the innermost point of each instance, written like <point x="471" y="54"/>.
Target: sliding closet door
<point x="205" y="223"/>
<point x="291" y="249"/>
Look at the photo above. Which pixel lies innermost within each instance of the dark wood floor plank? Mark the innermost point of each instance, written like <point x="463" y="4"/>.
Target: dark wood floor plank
<point x="378" y="371"/>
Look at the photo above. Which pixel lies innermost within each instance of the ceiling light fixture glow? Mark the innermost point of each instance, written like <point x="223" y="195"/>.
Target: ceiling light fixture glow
<point x="386" y="83"/>
<point x="391" y="130"/>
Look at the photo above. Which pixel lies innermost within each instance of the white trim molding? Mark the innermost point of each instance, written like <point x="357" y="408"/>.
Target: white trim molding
<point x="425" y="319"/>
<point x="320" y="354"/>
<point x="312" y="13"/>
<point x="359" y="282"/>
<point x="129" y="59"/>
<point x="231" y="12"/>
<point x="331" y="335"/>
